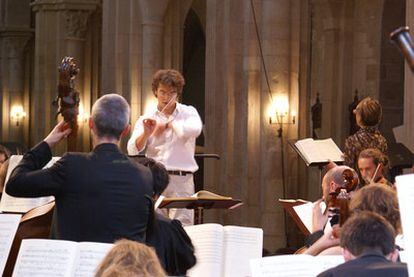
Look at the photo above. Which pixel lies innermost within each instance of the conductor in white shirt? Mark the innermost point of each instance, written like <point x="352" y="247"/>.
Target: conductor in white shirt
<point x="168" y="134"/>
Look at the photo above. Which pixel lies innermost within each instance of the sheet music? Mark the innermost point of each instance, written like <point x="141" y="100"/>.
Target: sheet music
<point x="8" y="227"/>
<point x="241" y="245"/>
<point x="208" y="244"/>
<point x="293" y="265"/>
<point x="405" y="192"/>
<point x="44" y="258"/>
<point x="19" y="204"/>
<point x="315" y="151"/>
<point x="90" y="254"/>
<point x="305" y="213"/>
<point x="329" y="150"/>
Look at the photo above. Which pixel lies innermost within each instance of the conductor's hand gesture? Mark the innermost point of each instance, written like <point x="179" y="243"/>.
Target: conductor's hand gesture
<point x="149" y="126"/>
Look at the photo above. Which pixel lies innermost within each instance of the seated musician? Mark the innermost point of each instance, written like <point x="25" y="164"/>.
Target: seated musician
<point x="332" y="180"/>
<point x="97" y="196"/>
<point x="130" y="258"/>
<point x="368" y="161"/>
<point x="375" y="198"/>
<point x="172" y="244"/>
<point x="369" y="249"/>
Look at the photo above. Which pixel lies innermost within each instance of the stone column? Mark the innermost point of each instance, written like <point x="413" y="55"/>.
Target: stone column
<point x="76" y="26"/>
<point x="152" y="13"/>
<point x="60" y="31"/>
<point x="13" y="82"/>
<point x="237" y="103"/>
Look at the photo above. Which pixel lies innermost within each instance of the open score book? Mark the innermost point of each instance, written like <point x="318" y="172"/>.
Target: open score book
<point x="293" y="265"/>
<point x="20" y="204"/>
<point x="315" y="152"/>
<point x="8" y="228"/>
<point x="41" y="257"/>
<point x="224" y="251"/>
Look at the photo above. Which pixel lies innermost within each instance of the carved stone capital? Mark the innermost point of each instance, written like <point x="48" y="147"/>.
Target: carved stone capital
<point x="15" y="44"/>
<point x="76" y="23"/>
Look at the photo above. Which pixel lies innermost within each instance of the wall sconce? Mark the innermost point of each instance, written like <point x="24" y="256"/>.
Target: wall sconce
<point x="279" y="113"/>
<point x="82" y="115"/>
<point x="17" y="114"/>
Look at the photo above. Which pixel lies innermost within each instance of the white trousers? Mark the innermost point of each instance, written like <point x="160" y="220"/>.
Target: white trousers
<point x="180" y="186"/>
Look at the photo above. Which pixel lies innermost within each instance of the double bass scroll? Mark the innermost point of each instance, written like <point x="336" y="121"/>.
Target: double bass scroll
<point x="67" y="99"/>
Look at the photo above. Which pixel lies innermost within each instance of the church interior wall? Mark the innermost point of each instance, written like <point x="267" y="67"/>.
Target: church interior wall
<point x="310" y="47"/>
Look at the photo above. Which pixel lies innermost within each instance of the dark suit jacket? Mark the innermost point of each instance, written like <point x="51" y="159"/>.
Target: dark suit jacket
<point x="100" y="196"/>
<point x="367" y="265"/>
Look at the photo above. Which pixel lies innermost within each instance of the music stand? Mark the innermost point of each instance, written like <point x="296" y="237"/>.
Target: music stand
<point x="320" y="165"/>
<point x="199" y="204"/>
<point x="288" y="206"/>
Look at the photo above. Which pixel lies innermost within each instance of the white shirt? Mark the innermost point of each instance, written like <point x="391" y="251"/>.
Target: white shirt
<point x="175" y="147"/>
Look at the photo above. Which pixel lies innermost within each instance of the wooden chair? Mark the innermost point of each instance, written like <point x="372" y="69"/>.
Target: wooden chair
<point x="35" y="223"/>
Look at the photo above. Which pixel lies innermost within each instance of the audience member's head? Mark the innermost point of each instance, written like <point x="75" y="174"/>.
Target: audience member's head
<point x="170" y="78"/>
<point x="4" y="154"/>
<point x="368" y="112"/>
<point x="159" y="174"/>
<point x="335" y="178"/>
<point x="130" y="258"/>
<point x="366" y="232"/>
<point x="368" y="161"/>
<point x="110" y="117"/>
<point x="379" y="199"/>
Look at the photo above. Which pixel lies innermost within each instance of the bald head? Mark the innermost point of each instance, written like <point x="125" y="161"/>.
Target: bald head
<point x="334" y="178"/>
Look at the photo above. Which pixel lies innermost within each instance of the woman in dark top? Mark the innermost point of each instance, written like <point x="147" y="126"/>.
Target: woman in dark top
<point x="368" y="115"/>
<point x="172" y="244"/>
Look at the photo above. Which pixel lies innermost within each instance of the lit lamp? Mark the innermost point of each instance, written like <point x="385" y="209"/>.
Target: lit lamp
<point x="17" y="114"/>
<point x="279" y="113"/>
<point x="82" y="115"/>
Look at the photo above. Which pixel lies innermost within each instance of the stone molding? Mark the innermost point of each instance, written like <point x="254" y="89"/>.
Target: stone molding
<point x="15" y="41"/>
<point x="56" y="5"/>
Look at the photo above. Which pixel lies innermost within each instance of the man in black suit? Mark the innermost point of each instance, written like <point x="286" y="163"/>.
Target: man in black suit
<point x="369" y="248"/>
<point x="100" y="196"/>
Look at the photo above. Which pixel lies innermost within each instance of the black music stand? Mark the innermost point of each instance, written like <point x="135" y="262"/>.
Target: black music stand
<point x="199" y="204"/>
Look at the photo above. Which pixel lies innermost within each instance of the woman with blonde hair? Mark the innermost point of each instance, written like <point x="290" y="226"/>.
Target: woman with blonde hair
<point x="132" y="259"/>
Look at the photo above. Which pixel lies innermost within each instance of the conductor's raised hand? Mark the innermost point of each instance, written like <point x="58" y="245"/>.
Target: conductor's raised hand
<point x="58" y="133"/>
<point x="149" y="126"/>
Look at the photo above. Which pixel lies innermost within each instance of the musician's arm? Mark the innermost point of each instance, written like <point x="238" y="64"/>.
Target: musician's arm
<point x="28" y="179"/>
<point x="138" y="139"/>
<point x="191" y="127"/>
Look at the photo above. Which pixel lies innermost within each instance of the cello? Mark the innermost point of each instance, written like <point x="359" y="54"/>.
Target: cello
<point x="338" y="203"/>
